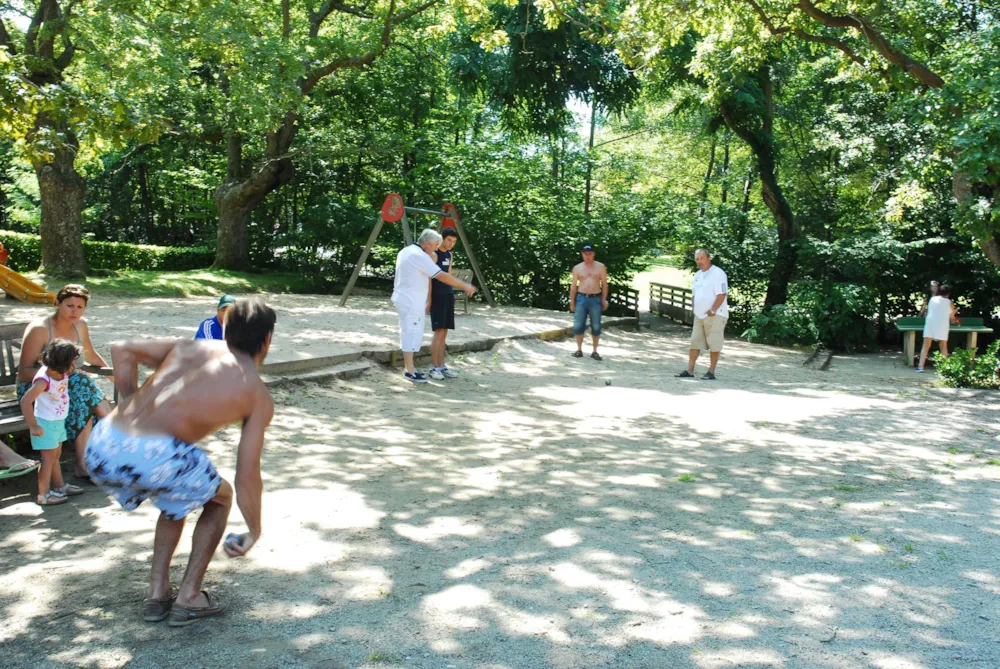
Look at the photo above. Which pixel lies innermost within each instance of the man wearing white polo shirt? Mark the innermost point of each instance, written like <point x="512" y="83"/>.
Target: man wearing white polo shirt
<point x="709" y="289"/>
<point x="414" y="268"/>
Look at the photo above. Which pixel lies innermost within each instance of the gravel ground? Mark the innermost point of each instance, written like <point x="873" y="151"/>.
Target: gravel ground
<point x="529" y="514"/>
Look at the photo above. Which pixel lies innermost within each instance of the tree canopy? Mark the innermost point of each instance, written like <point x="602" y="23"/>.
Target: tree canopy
<point x="834" y="153"/>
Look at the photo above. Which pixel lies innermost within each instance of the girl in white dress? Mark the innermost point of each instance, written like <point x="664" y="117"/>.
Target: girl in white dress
<point x="940" y="315"/>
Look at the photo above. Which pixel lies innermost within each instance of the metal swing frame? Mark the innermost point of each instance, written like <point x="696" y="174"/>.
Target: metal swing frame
<point x="449" y="212"/>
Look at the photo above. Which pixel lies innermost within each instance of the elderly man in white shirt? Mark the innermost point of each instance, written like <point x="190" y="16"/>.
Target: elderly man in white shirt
<point x="709" y="290"/>
<point x="414" y="268"/>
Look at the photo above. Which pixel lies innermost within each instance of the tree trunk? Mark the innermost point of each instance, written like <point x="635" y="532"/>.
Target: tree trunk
<point x="62" y="190"/>
<point x="708" y="178"/>
<point x="788" y="255"/>
<point x="237" y="198"/>
<point x="747" y="188"/>
<point x="760" y="139"/>
<point x="145" y="204"/>
<point x="725" y="168"/>
<point x="590" y="158"/>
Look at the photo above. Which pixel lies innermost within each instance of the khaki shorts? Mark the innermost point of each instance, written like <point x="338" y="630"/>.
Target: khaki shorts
<point x="707" y="333"/>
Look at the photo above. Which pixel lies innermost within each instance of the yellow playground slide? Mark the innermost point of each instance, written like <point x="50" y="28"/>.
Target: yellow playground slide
<point x="23" y="289"/>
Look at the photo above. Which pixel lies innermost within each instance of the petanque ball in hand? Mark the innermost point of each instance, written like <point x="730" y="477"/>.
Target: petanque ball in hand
<point x="232" y="540"/>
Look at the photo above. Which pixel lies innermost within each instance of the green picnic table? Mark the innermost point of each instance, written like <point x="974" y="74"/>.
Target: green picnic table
<point x="911" y="325"/>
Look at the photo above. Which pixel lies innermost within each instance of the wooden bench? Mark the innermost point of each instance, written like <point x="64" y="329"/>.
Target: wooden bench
<point x="466" y="276"/>
<point x="909" y="326"/>
<point x="11" y="418"/>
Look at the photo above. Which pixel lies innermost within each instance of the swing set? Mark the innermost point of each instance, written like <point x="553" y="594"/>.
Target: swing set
<point x="393" y="211"/>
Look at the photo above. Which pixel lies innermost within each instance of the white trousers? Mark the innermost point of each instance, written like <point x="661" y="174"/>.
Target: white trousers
<point x="411" y="328"/>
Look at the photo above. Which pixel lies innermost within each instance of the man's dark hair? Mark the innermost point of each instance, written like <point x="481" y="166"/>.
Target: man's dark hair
<point x="59" y="355"/>
<point x="449" y="232"/>
<point x="944" y="290"/>
<point x="248" y="324"/>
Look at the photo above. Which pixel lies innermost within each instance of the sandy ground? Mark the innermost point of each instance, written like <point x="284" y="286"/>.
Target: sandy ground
<point x="309" y="326"/>
<point x="528" y="514"/>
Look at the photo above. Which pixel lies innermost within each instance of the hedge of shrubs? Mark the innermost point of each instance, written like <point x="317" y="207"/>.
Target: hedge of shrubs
<point x="26" y="254"/>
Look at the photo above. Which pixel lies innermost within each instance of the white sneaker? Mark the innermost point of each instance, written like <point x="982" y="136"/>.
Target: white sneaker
<point x="435" y="374"/>
<point x="450" y="373"/>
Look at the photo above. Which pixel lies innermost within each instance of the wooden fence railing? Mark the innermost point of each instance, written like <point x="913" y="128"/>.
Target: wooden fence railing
<point x="623" y="301"/>
<point x="671" y="301"/>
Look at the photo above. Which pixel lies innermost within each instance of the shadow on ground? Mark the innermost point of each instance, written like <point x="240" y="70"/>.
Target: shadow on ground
<point x="529" y="514"/>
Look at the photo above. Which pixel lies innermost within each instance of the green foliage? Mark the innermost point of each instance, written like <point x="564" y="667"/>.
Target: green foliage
<point x="26" y="254"/>
<point x="842" y="313"/>
<point x="783" y="325"/>
<point x="964" y="369"/>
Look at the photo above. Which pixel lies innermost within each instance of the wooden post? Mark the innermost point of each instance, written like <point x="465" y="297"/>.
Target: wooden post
<point x="909" y="342"/>
<point x="972" y="342"/>
<point x="361" y="261"/>
<point x="407" y="235"/>
<point x="453" y="213"/>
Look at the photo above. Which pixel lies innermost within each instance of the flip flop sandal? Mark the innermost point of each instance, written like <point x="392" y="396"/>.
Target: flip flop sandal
<point x="155" y="610"/>
<point x="185" y="615"/>
<point x="20" y="469"/>
<point x="51" y="498"/>
<point x="596" y="356"/>
<point x="684" y="375"/>
<point x="578" y="354"/>
<point x="70" y="490"/>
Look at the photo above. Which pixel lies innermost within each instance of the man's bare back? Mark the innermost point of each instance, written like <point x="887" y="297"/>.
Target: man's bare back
<point x="199" y="387"/>
<point x="589" y="277"/>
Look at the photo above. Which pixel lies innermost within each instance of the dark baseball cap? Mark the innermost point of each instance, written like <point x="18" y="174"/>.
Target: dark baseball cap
<point x="226" y="301"/>
<point x="587" y="247"/>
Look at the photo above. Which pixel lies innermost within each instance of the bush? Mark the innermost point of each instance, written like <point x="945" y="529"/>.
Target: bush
<point x="843" y="313"/>
<point x="965" y="369"/>
<point x="783" y="325"/>
<point x="26" y="255"/>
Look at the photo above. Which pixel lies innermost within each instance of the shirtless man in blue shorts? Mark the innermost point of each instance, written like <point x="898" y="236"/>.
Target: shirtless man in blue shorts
<point x="145" y="448"/>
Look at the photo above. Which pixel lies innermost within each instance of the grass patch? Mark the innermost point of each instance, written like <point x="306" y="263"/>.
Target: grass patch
<point x="953" y="450"/>
<point x="993" y="461"/>
<point x="847" y="488"/>
<point x="908" y="548"/>
<point x="901" y="565"/>
<point x="856" y="537"/>
<point x="196" y="282"/>
<point x="377" y="657"/>
<point x="688" y="478"/>
<point x="944" y="557"/>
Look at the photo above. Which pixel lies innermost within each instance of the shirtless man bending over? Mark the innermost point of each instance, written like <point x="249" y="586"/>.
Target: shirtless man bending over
<point x="588" y="294"/>
<point x="145" y="448"/>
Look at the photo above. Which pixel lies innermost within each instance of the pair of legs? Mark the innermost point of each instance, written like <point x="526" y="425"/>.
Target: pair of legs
<point x="713" y="359"/>
<point x="706" y="333"/>
<point x="207" y="535"/>
<point x="587" y="306"/>
<point x="595" y="339"/>
<point x="49" y="474"/>
<point x="411" y="335"/>
<point x="438" y="347"/>
<point x="925" y="351"/>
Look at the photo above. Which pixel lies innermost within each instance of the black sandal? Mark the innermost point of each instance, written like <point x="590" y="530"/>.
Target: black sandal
<point x="685" y="375"/>
<point x="578" y="354"/>
<point x="596" y="356"/>
<point x="185" y="615"/>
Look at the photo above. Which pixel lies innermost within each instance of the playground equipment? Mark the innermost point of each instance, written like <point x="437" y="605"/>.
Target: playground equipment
<point x="393" y="210"/>
<point x="24" y="289"/>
